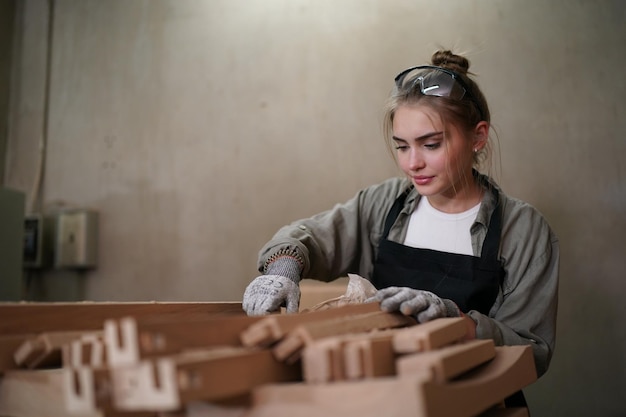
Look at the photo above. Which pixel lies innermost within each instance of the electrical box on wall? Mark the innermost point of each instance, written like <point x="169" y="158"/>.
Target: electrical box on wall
<point x="76" y="237"/>
<point x="38" y="235"/>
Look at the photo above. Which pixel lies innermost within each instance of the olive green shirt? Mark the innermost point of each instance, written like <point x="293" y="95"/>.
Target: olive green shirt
<point x="345" y="240"/>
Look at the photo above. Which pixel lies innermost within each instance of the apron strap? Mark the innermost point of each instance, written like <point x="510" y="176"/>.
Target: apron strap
<point x="395" y="211"/>
<point x="491" y="244"/>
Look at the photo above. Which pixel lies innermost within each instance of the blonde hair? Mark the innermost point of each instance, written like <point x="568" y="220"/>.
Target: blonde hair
<point x="465" y="114"/>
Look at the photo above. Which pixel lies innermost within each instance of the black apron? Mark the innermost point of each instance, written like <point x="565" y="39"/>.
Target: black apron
<point x="471" y="282"/>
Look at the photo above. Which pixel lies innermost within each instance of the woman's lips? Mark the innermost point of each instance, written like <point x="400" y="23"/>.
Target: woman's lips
<point x="423" y="179"/>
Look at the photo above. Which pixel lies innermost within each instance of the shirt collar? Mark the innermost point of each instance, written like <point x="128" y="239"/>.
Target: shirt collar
<point x="487" y="206"/>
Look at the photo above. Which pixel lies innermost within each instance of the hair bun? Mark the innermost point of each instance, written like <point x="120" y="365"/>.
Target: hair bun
<point x="446" y="59"/>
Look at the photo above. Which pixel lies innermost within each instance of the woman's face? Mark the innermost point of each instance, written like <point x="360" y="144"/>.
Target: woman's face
<point x="438" y="163"/>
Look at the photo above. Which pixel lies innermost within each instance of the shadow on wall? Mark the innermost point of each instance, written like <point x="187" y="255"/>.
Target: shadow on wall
<point x="55" y="285"/>
<point x="587" y="376"/>
<point x="141" y="254"/>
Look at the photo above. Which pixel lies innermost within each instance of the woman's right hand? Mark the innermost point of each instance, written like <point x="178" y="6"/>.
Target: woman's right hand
<point x="268" y="293"/>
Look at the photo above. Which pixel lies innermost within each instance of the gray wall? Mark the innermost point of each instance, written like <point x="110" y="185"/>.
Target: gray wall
<point x="197" y="128"/>
<point x="7" y="13"/>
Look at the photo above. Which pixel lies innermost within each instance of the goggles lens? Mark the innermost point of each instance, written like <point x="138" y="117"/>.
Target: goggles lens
<point x="435" y="81"/>
<point x="432" y="81"/>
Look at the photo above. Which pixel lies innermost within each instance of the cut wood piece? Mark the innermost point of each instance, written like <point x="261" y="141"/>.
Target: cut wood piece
<point x="20" y="318"/>
<point x="448" y="362"/>
<point x="430" y="335"/>
<point x="511" y="370"/>
<point x="89" y="350"/>
<point x="8" y="346"/>
<point x="168" y="383"/>
<point x="370" y="358"/>
<point x="272" y="328"/>
<point x="323" y="361"/>
<point x="349" y="356"/>
<point x="59" y="392"/>
<point x="289" y="348"/>
<point x="373" y="354"/>
<point x="129" y="340"/>
<point x="44" y="350"/>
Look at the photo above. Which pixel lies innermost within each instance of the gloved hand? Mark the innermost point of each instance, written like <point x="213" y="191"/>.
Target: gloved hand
<point x="423" y="305"/>
<point x="268" y="293"/>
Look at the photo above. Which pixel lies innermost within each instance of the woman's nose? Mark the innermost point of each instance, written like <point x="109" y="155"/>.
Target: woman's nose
<point x="416" y="160"/>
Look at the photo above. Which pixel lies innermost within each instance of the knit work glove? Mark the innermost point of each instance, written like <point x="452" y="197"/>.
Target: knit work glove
<point x="267" y="293"/>
<point x="423" y="305"/>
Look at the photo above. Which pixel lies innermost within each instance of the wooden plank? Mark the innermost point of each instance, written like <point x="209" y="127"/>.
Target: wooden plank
<point x="449" y="362"/>
<point x="304" y="410"/>
<point x="131" y="339"/>
<point x="44" y="350"/>
<point x="388" y="397"/>
<point x="26" y="317"/>
<point x="58" y="392"/>
<point x="418" y="395"/>
<point x="274" y="327"/>
<point x="506" y="412"/>
<point x="290" y="347"/>
<point x="168" y="383"/>
<point x="430" y="335"/>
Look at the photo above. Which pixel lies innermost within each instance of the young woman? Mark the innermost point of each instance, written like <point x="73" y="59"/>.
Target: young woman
<point x="443" y="242"/>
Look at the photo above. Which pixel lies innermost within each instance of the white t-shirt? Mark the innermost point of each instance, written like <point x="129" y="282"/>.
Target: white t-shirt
<point x="430" y="228"/>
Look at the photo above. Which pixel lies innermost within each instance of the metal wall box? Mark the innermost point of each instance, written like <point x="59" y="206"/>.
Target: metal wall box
<point x="76" y="233"/>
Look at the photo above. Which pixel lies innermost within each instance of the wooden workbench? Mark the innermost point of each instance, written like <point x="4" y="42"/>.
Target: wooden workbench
<point x="210" y="359"/>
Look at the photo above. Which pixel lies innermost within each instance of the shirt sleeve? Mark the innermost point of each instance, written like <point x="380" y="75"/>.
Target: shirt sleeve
<point x="341" y="240"/>
<point x="525" y="310"/>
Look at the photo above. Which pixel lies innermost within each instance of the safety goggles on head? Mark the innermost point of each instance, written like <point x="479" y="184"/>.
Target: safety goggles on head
<point x="435" y="81"/>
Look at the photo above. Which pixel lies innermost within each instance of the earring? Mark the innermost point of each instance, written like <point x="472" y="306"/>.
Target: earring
<point x="475" y="150"/>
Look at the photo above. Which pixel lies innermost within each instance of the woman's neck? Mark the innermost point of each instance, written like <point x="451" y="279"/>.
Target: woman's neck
<point x="460" y="199"/>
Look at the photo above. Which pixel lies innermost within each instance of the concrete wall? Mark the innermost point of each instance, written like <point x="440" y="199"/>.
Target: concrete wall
<point x="7" y="20"/>
<point x="197" y="128"/>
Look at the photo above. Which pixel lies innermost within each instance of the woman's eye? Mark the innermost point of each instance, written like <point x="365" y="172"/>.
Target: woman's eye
<point x="432" y="145"/>
<point x="402" y="148"/>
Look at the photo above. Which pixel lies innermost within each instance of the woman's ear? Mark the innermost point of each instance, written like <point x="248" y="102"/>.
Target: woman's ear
<point x="481" y="135"/>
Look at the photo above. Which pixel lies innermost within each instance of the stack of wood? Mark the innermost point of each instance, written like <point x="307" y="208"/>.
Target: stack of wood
<point x="210" y="359"/>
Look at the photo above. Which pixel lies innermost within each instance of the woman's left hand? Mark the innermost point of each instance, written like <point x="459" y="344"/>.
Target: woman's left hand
<point x="423" y="305"/>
